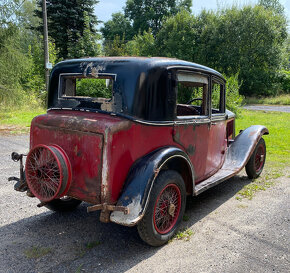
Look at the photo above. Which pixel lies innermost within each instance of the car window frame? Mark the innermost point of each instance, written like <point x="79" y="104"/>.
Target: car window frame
<point x="194" y="118"/>
<point x="222" y="114"/>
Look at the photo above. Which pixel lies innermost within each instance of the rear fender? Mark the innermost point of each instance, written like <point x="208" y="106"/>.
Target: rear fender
<point x="140" y="181"/>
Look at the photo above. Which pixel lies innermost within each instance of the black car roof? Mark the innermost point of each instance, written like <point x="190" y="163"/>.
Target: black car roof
<point x="149" y="62"/>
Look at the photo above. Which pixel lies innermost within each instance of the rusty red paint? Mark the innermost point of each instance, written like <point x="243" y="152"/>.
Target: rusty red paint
<point x="93" y="140"/>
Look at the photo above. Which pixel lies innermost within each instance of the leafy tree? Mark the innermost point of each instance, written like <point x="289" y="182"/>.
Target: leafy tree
<point x="142" y="45"/>
<point x="146" y="14"/>
<point x="117" y="47"/>
<point x="67" y="23"/>
<point x="247" y="41"/>
<point x="177" y="38"/>
<point x="118" y="25"/>
<point x="274" y="5"/>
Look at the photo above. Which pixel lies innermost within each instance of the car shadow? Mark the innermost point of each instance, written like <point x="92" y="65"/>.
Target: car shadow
<point x="71" y="242"/>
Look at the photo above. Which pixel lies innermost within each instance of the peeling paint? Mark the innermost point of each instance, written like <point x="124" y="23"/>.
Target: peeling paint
<point x="130" y="219"/>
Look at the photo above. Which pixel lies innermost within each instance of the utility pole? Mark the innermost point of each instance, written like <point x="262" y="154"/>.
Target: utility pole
<point x="47" y="65"/>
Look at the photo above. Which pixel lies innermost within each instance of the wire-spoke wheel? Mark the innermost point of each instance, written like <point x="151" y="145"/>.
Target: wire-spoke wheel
<point x="48" y="172"/>
<point x="165" y="209"/>
<point x="256" y="162"/>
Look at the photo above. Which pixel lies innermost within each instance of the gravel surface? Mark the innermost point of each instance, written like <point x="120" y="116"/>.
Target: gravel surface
<point x="275" y="108"/>
<point x="228" y="235"/>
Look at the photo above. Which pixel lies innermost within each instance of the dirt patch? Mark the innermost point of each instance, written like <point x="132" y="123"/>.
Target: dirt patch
<point x="13" y="129"/>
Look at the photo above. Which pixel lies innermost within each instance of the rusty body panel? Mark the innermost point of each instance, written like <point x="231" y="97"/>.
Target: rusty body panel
<point x="237" y="156"/>
<point x="136" y="200"/>
<point x="115" y="147"/>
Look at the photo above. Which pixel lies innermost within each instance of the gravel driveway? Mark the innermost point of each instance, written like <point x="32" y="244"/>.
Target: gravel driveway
<point x="228" y="235"/>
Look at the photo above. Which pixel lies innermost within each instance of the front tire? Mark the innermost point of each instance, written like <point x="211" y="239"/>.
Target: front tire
<point x="256" y="162"/>
<point x="165" y="209"/>
<point x="63" y="204"/>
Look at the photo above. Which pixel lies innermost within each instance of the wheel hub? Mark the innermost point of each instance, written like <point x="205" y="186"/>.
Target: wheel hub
<point x="171" y="209"/>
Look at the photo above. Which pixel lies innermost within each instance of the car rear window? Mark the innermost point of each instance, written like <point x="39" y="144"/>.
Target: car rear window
<point x="98" y="89"/>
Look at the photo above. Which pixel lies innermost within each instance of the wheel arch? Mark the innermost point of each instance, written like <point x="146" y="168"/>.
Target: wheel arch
<point x="184" y="168"/>
<point x="142" y="176"/>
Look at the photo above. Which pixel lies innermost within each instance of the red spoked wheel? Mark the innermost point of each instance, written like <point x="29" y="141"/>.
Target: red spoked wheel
<point x="260" y="158"/>
<point x="165" y="209"/>
<point x="257" y="160"/>
<point x="48" y="172"/>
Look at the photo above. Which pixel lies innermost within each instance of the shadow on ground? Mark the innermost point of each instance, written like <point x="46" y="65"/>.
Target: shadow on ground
<point x="78" y="240"/>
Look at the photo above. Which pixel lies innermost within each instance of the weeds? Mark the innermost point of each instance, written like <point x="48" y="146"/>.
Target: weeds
<point x="36" y="252"/>
<point x="260" y="184"/>
<point x="278" y="100"/>
<point x="81" y="250"/>
<point x="185" y="218"/>
<point x="184" y="235"/>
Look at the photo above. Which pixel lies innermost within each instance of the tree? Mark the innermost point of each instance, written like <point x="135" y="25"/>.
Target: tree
<point x="247" y="41"/>
<point x="118" y="25"/>
<point x="67" y="23"/>
<point x="146" y="14"/>
<point x="177" y="38"/>
<point x="274" y="5"/>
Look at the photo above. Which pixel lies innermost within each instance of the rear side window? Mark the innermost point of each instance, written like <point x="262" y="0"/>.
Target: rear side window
<point x="192" y="91"/>
<point x="217" y="97"/>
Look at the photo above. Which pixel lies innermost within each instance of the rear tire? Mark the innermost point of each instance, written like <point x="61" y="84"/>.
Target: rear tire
<point x="256" y="162"/>
<point x="64" y="204"/>
<point x="165" y="209"/>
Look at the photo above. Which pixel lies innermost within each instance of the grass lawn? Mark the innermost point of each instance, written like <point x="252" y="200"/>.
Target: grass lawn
<point x="278" y="141"/>
<point x="278" y="100"/>
<point x="278" y="148"/>
<point x="18" y="121"/>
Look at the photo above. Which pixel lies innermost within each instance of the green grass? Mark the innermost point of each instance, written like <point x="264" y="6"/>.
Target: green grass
<point x="36" y="252"/>
<point x="185" y="218"/>
<point x="18" y="121"/>
<point x="278" y="148"/>
<point x="183" y="235"/>
<point x="278" y="100"/>
<point x="278" y="140"/>
<point x="81" y="250"/>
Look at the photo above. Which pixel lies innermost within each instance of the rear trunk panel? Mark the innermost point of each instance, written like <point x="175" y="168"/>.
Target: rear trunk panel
<point x="83" y="142"/>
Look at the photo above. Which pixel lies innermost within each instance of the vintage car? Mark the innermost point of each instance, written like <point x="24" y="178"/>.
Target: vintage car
<point x="133" y="137"/>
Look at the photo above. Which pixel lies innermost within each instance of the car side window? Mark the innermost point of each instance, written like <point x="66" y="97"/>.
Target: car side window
<point x="192" y="92"/>
<point x="217" y="97"/>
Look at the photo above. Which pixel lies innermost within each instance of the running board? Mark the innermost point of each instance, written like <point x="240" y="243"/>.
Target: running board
<point x="237" y="156"/>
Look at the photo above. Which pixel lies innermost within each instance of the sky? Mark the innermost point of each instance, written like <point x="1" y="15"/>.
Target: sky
<point x="106" y="7"/>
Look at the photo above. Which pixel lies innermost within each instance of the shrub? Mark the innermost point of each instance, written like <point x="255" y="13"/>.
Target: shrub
<point x="233" y="98"/>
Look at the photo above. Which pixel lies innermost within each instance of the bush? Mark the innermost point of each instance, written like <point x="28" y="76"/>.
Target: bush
<point x="95" y="88"/>
<point x="233" y="98"/>
<point x="285" y="81"/>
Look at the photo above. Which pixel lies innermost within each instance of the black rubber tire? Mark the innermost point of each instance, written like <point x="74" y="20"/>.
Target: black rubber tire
<point x="146" y="228"/>
<point x="64" y="204"/>
<point x="251" y="168"/>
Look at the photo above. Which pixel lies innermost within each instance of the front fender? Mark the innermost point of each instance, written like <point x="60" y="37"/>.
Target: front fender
<point x="243" y="146"/>
<point x="139" y="183"/>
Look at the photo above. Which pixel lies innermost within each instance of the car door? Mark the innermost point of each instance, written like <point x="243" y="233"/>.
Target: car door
<point x="217" y="140"/>
<point x="192" y="124"/>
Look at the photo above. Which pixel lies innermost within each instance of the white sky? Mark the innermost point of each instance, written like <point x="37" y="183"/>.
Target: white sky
<point x="106" y="7"/>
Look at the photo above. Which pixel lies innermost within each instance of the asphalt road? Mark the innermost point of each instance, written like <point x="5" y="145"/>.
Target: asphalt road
<point x="275" y="108"/>
<point x="228" y="235"/>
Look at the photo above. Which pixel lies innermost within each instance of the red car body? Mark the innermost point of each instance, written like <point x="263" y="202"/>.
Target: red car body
<point x="110" y="152"/>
